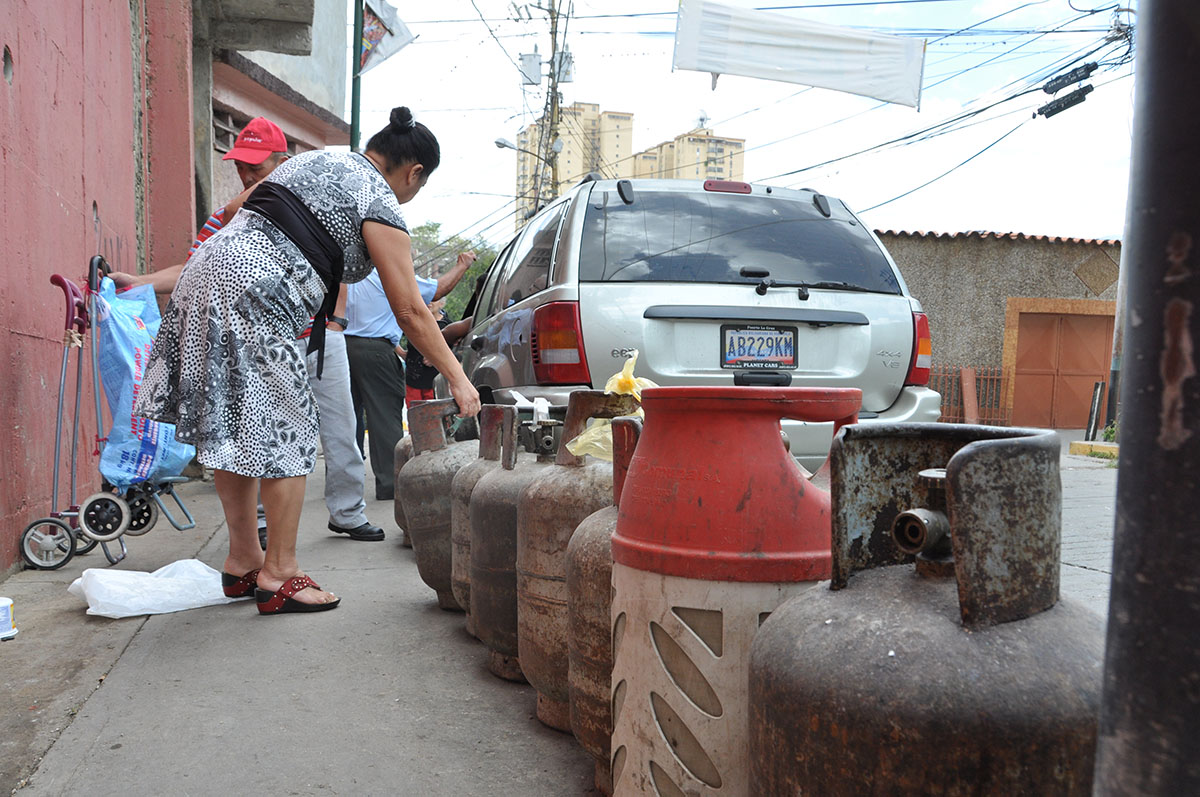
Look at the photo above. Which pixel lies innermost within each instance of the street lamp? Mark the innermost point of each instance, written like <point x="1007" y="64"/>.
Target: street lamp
<point x="555" y="148"/>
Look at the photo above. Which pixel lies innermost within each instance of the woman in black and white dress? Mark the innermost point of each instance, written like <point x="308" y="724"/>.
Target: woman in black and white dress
<point x="227" y="368"/>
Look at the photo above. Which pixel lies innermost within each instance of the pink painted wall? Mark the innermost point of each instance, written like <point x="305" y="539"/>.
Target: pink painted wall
<point x="170" y="174"/>
<point x="69" y="188"/>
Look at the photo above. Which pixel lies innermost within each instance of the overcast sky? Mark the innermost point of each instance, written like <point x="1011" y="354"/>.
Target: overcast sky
<point x="1065" y="175"/>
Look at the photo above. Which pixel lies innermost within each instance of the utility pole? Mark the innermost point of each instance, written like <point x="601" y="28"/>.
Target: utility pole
<point x="554" y="65"/>
<point x="355" y="77"/>
<point x="1150" y="712"/>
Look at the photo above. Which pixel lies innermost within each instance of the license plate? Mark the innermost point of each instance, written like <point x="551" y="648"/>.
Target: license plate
<point x="763" y="347"/>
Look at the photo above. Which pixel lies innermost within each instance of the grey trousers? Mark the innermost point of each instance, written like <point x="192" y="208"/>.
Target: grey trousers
<point x="344" y="472"/>
<point x="377" y="390"/>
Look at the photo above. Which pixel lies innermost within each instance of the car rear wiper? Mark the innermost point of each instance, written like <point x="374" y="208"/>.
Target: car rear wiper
<point x="839" y="286"/>
<point x="766" y="284"/>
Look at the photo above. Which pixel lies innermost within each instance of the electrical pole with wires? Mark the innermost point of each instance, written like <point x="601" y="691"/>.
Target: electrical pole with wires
<point x="553" y="84"/>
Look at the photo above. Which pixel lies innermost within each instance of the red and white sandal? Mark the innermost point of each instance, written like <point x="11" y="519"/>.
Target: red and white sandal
<point x="281" y="601"/>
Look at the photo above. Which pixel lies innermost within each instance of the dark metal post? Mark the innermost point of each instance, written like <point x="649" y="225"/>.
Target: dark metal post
<point x="1150" y="721"/>
<point x="355" y="77"/>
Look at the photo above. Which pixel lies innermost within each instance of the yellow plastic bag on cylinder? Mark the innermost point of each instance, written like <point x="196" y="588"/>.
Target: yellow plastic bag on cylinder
<point x="596" y="440"/>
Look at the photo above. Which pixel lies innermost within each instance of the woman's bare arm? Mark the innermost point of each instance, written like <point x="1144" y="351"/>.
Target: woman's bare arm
<point x="390" y="250"/>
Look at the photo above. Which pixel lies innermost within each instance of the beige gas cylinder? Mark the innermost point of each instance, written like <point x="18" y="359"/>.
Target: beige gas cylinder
<point x="495" y="423"/>
<point x="717" y="527"/>
<point x="403" y="453"/>
<point x="589" y="608"/>
<point x="494" y="543"/>
<point x="548" y="511"/>
<point x="425" y="490"/>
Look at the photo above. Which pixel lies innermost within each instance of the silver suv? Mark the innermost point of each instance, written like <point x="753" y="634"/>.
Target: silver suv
<point x="707" y="280"/>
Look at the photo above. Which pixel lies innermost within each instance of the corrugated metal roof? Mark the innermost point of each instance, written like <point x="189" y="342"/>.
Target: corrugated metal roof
<point x="1012" y="236"/>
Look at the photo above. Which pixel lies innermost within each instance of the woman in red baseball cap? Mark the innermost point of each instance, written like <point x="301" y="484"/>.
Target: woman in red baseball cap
<point x="227" y="368"/>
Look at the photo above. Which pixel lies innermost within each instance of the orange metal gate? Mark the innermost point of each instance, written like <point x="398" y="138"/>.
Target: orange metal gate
<point x="1059" y="359"/>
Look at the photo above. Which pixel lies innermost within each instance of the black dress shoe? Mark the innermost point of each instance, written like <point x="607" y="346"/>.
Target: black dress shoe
<point x="366" y="532"/>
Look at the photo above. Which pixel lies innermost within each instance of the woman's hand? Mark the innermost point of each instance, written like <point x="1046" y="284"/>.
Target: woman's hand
<point x="467" y="397"/>
<point x="124" y="281"/>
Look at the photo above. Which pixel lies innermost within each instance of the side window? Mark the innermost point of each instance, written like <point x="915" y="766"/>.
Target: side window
<point x="484" y="308"/>
<point x="528" y="268"/>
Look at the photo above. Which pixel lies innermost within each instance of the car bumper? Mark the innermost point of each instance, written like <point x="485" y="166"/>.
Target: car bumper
<point x="810" y="442"/>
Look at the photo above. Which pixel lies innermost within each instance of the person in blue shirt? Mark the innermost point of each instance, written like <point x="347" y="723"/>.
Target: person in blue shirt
<point x="376" y="370"/>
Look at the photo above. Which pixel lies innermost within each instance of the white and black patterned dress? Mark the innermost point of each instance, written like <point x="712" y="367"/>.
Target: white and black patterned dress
<point x="227" y="368"/>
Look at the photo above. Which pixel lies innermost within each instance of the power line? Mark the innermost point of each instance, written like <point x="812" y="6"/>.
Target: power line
<point x="948" y="171"/>
<point x="494" y="37"/>
<point x="639" y="14"/>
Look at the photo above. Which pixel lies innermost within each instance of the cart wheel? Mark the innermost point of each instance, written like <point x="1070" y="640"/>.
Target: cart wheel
<point x="143" y="512"/>
<point x="104" y="516"/>
<point x="47" y="544"/>
<point x="83" y="543"/>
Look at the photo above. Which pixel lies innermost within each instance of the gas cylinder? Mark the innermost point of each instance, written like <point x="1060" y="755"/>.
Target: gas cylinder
<point x="424" y="487"/>
<point x="495" y="423"/>
<point x="494" y="542"/>
<point x="548" y="510"/>
<point x="401" y="454"/>
<point x="589" y="604"/>
<point x="717" y="526"/>
<point x="940" y="659"/>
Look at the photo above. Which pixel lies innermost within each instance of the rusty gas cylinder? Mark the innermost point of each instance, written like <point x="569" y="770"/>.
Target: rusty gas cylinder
<point x="425" y="490"/>
<point x="548" y="511"/>
<point x="403" y="453"/>
<point x="495" y="422"/>
<point x="589" y="607"/>
<point x="717" y="527"/>
<point x="966" y="675"/>
<point x="494" y="542"/>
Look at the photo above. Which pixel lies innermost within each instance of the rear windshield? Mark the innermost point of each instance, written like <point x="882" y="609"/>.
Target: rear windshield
<point x="672" y="236"/>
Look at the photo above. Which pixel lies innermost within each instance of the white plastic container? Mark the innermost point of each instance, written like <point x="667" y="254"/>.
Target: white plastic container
<point x="7" y="629"/>
<point x="681" y="663"/>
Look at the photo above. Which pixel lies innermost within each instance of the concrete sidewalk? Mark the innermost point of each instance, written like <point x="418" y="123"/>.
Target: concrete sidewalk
<point x="384" y="695"/>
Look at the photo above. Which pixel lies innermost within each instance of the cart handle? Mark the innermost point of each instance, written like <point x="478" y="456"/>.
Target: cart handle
<point x="97" y="267"/>
<point x="76" y="305"/>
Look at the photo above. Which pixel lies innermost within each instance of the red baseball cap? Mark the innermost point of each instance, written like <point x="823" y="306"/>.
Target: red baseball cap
<point x="259" y="139"/>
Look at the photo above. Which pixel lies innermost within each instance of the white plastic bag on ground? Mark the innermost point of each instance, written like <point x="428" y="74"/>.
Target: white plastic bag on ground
<point x="186" y="584"/>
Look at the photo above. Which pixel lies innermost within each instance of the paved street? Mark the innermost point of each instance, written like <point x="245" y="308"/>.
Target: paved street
<point x="385" y="695"/>
<point x="1089" y="508"/>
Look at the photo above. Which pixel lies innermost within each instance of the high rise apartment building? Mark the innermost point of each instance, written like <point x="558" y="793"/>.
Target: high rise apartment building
<point x="602" y="142"/>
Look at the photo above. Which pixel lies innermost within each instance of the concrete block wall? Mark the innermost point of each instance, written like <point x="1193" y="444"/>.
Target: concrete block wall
<point x="964" y="281"/>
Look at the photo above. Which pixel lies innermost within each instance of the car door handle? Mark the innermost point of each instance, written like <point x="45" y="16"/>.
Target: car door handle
<point x="477" y="344"/>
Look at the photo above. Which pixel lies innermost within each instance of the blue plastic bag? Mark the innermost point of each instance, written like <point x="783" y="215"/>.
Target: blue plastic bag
<point x="138" y="449"/>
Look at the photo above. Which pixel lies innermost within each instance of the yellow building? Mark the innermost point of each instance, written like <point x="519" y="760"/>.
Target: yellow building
<point x="598" y="141"/>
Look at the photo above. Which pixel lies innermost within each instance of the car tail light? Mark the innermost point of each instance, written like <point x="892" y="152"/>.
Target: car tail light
<point x="557" y="345"/>
<point x="922" y="355"/>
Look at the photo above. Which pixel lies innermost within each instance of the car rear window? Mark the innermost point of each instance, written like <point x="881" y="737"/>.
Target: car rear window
<point x="673" y="236"/>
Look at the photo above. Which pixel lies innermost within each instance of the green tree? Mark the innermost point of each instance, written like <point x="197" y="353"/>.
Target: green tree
<point x="434" y="256"/>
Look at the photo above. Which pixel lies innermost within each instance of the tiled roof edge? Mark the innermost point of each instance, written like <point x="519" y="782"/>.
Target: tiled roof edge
<point x="1013" y="236"/>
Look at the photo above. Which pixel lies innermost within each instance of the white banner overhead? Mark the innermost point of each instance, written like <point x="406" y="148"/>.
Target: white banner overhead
<point x="726" y="40"/>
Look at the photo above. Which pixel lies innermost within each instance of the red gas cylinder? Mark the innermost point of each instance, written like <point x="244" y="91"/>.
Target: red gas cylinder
<point x="716" y="496"/>
<point x="717" y="526"/>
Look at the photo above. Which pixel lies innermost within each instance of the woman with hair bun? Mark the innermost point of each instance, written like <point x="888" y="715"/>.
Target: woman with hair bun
<point x="227" y="368"/>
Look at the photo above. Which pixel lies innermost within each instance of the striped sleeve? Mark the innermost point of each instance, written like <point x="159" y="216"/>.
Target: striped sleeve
<point x="215" y="222"/>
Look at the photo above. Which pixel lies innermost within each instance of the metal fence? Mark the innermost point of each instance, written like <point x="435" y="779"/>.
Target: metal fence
<point x="970" y="394"/>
